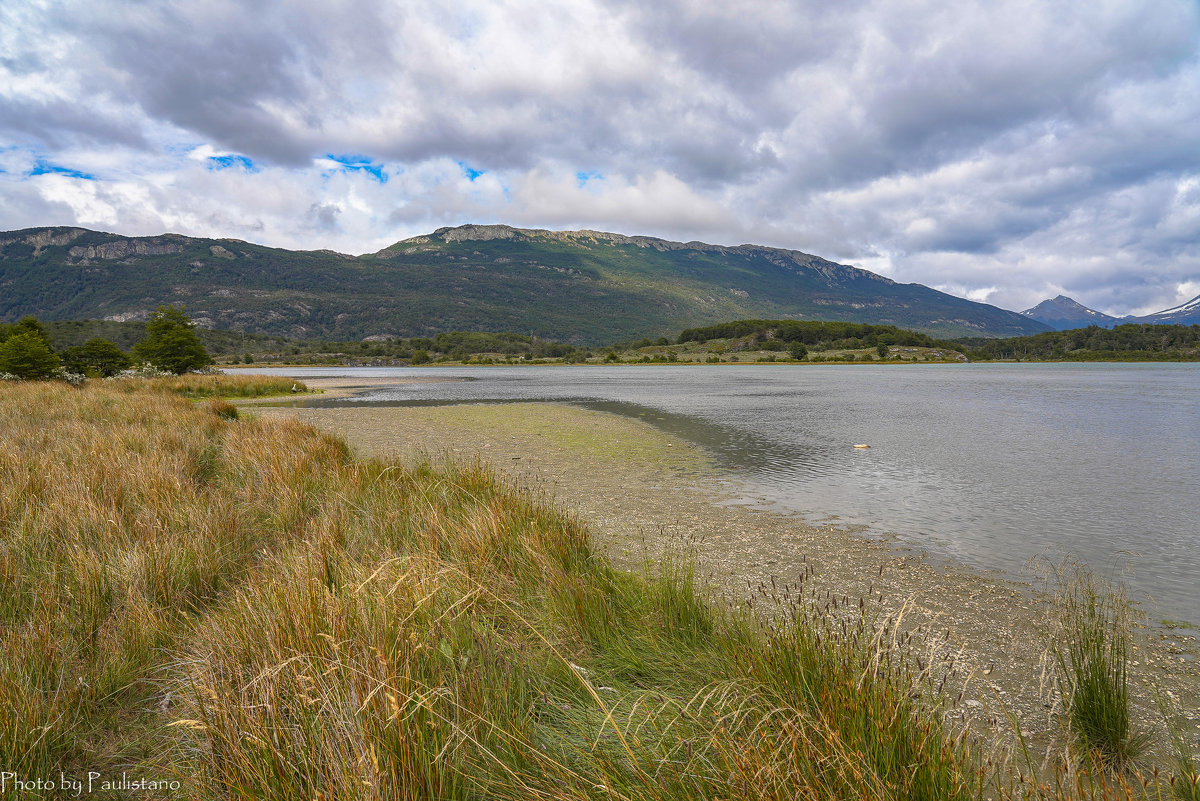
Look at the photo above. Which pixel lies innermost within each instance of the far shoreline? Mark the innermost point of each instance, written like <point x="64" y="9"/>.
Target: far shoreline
<point x="230" y="367"/>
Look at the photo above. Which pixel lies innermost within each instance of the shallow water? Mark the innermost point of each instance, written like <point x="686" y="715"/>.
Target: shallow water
<point x="992" y="465"/>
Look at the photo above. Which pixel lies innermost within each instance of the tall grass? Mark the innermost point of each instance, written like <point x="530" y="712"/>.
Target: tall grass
<point x="1091" y="647"/>
<point x="243" y="606"/>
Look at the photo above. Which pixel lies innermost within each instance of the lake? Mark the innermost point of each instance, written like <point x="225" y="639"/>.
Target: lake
<point x="989" y="464"/>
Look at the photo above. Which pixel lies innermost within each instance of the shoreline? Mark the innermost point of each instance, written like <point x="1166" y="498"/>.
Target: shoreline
<point x="647" y="495"/>
<point x="235" y="368"/>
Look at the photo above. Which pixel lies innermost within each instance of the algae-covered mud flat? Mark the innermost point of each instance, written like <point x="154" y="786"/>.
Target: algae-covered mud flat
<point x="990" y="465"/>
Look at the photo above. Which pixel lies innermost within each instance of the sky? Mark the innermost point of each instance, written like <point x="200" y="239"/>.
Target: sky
<point x="1006" y="150"/>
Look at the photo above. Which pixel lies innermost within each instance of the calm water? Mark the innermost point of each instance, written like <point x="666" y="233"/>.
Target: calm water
<point x="989" y="464"/>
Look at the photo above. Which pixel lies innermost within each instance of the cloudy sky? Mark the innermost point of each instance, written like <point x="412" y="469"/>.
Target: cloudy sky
<point x="1005" y="150"/>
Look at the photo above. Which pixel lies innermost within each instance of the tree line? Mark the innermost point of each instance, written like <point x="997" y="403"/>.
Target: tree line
<point x="815" y="334"/>
<point x="170" y="344"/>
<point x="1131" y="341"/>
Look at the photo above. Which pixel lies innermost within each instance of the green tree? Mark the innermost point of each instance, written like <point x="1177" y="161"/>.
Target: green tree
<point x="96" y="357"/>
<point x="30" y="325"/>
<point x="882" y="350"/>
<point x="797" y="350"/>
<point x="26" y="325"/>
<point x="171" y="343"/>
<point x="27" y="355"/>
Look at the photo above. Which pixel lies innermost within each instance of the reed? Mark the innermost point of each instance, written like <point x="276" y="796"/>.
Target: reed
<point x="1091" y="648"/>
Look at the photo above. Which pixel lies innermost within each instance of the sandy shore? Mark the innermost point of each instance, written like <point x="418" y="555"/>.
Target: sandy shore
<point x="645" y="493"/>
<point x="344" y="387"/>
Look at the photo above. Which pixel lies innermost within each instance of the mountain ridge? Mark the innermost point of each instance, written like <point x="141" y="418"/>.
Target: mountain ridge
<point x="578" y="286"/>
<point x="1062" y="313"/>
<point x="472" y="232"/>
<point x="1184" y="314"/>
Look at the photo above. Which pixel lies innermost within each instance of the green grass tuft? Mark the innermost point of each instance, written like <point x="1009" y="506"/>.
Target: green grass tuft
<point x="1092" y="652"/>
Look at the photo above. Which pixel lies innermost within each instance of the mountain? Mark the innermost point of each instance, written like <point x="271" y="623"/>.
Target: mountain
<point x="1063" y="313"/>
<point x="586" y="287"/>
<point x="1187" y="314"/>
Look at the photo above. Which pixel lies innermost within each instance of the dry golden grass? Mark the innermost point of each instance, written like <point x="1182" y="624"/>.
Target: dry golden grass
<point x="243" y="606"/>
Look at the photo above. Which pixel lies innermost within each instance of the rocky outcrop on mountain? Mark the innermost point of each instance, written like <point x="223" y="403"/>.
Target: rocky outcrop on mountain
<point x="40" y="238"/>
<point x="123" y="248"/>
<point x="134" y="316"/>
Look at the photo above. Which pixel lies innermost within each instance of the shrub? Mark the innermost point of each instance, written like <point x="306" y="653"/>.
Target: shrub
<point x="96" y="357"/>
<point x="223" y="409"/>
<point x="26" y="355"/>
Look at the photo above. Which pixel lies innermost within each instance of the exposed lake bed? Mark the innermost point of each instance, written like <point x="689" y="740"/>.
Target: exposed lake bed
<point x="647" y="492"/>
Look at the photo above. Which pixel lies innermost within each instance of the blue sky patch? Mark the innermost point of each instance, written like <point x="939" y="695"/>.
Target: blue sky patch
<point x="46" y="168"/>
<point x="355" y="163"/>
<point x="583" y="176"/>
<point x="231" y="160"/>
<point x="470" y="171"/>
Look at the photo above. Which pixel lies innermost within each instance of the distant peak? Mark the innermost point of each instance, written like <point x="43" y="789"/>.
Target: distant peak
<point x="1063" y="312"/>
<point x="1061" y="302"/>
